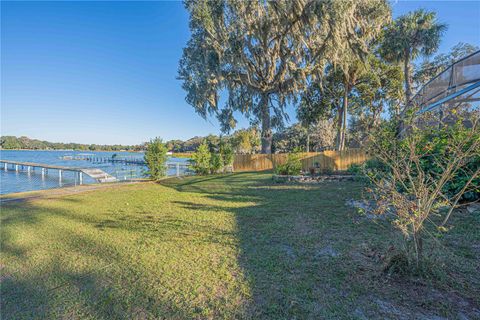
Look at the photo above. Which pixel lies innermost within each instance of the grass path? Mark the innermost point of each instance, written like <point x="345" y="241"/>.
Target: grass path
<point x="220" y="247"/>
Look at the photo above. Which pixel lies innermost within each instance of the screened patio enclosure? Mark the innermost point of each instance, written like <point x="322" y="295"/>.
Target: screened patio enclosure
<point x="458" y="86"/>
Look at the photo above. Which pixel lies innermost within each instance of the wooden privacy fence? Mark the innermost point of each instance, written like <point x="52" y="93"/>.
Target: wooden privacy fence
<point x="326" y="160"/>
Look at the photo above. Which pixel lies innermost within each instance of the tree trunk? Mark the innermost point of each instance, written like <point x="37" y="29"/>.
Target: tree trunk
<point x="266" y="126"/>
<point x="408" y="93"/>
<point x="408" y="80"/>
<point x="339" y="127"/>
<point x="308" y="138"/>
<point x="418" y="243"/>
<point x="342" y="120"/>
<point x="345" y="107"/>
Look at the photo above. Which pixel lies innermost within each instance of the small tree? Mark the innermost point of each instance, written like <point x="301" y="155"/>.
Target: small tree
<point x="216" y="164"/>
<point x="416" y="174"/>
<point x="226" y="154"/>
<point x="293" y="165"/>
<point x="156" y="159"/>
<point x="201" y="159"/>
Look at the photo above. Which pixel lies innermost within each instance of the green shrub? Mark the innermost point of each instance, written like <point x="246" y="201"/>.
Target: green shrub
<point x="430" y="166"/>
<point x="355" y="169"/>
<point x="292" y="167"/>
<point x="374" y="164"/>
<point x="226" y="154"/>
<point x="156" y="159"/>
<point x="201" y="159"/>
<point x="206" y="161"/>
<point x="216" y="164"/>
<point x="434" y="145"/>
<point x="371" y="165"/>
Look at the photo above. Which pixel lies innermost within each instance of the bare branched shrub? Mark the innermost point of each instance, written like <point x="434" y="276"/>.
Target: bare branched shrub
<point x="433" y="165"/>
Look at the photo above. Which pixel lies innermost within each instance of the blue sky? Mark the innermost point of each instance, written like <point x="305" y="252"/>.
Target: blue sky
<point x="105" y="72"/>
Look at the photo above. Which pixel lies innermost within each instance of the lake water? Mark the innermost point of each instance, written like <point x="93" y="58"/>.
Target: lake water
<point x="12" y="181"/>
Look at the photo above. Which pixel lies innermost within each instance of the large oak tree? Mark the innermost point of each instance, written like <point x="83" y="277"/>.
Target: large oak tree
<point x="259" y="55"/>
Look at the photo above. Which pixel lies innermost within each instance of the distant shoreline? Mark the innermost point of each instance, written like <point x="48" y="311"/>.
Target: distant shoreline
<point x="71" y="150"/>
<point x="174" y="154"/>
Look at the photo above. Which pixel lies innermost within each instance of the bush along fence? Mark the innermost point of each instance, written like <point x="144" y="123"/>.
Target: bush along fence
<point x="320" y="161"/>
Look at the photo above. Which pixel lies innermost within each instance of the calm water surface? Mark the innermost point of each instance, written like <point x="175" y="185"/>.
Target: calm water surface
<point x="11" y="181"/>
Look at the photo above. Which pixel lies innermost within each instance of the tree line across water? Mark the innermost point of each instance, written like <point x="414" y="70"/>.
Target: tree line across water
<point x="12" y="142"/>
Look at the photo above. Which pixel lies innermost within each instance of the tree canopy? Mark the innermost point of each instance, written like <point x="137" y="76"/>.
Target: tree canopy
<point x="413" y="34"/>
<point x="263" y="53"/>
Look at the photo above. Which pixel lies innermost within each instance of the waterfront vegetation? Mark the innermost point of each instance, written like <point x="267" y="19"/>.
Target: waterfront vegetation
<point x="156" y="159"/>
<point x="223" y="247"/>
<point x="209" y="160"/>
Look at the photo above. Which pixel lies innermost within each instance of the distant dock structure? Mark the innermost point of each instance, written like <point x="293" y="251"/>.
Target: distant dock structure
<point x="113" y="159"/>
<point x="96" y="174"/>
<point x="80" y="156"/>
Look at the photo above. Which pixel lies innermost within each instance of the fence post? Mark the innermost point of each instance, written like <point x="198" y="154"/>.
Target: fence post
<point x="178" y="169"/>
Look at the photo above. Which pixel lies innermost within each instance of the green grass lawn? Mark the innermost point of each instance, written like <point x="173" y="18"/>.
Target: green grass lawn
<point x="222" y="247"/>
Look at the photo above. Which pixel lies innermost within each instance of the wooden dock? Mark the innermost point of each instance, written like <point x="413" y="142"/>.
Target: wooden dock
<point x="99" y="159"/>
<point x="138" y="161"/>
<point x="97" y="174"/>
<point x="133" y="161"/>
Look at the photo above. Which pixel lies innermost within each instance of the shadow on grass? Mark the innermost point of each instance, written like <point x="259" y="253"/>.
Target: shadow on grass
<point x="299" y="249"/>
<point x="307" y="255"/>
<point x="285" y="234"/>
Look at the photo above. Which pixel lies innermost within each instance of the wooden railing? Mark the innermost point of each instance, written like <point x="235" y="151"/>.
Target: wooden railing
<point x="326" y="160"/>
